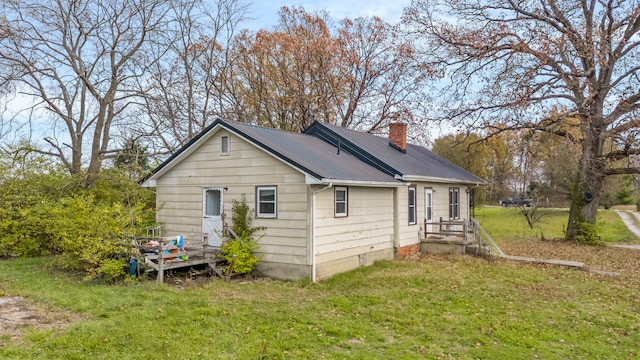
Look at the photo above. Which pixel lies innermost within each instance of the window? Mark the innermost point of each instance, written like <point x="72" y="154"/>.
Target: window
<point x="224" y="145"/>
<point x="413" y="216"/>
<point x="454" y="203"/>
<point x="266" y="201"/>
<point x="341" y="199"/>
<point x="212" y="206"/>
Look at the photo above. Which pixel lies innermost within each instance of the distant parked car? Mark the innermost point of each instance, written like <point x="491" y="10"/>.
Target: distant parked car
<point x="516" y="202"/>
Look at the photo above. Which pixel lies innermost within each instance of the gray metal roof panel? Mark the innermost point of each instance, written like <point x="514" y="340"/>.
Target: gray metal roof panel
<point x="417" y="161"/>
<point x="310" y="154"/>
<point x="363" y="157"/>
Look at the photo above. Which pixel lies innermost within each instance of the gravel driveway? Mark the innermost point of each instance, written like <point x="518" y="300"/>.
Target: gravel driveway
<point x="628" y="219"/>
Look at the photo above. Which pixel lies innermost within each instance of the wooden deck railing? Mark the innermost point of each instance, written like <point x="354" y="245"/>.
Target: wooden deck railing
<point x="469" y="231"/>
<point x="444" y="228"/>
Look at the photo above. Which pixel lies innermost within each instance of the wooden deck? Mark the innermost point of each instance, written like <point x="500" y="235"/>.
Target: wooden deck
<point x="167" y="256"/>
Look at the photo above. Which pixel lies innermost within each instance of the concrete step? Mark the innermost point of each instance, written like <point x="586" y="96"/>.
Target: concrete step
<point x="475" y="249"/>
<point x="567" y="263"/>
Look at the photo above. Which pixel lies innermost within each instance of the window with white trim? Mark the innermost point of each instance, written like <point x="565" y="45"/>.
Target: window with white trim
<point x="413" y="216"/>
<point x="341" y="195"/>
<point x="224" y="145"/>
<point x="266" y="201"/>
<point x="454" y="203"/>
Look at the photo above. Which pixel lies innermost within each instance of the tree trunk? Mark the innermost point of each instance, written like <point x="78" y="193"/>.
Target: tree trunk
<point x="581" y="212"/>
<point x="587" y="190"/>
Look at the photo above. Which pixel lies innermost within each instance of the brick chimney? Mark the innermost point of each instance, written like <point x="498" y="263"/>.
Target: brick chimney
<point x="398" y="136"/>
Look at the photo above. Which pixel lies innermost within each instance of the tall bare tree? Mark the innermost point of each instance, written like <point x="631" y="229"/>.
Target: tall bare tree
<point x="79" y="60"/>
<point x="520" y="60"/>
<point x="386" y="80"/>
<point x="187" y="87"/>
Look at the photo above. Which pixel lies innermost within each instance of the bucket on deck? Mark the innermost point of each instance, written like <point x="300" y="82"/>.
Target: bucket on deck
<point x="133" y="266"/>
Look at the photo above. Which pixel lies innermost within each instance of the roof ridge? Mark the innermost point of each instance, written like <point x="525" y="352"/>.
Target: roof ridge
<point x="263" y="127"/>
<point x="347" y="129"/>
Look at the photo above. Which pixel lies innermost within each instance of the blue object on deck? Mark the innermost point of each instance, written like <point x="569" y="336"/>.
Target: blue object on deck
<point x="133" y="266"/>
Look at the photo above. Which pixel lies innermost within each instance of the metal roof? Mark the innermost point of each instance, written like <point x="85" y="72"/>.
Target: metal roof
<point x="416" y="162"/>
<point x="331" y="153"/>
<point x="307" y="153"/>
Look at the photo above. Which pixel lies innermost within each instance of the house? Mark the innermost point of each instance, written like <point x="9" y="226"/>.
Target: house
<point x="330" y="199"/>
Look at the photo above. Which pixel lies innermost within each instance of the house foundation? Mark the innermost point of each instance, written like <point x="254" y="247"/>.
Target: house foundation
<point x="409" y="250"/>
<point x="444" y="245"/>
<point x="327" y="269"/>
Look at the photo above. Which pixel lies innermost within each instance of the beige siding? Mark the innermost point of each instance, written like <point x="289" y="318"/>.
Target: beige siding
<point x="179" y="198"/>
<point x="441" y="201"/>
<point x="377" y="221"/>
<point x="411" y="234"/>
<point x="407" y="234"/>
<point x="368" y="228"/>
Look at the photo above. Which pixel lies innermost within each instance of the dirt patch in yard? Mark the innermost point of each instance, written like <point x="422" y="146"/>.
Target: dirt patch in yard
<point x="17" y="315"/>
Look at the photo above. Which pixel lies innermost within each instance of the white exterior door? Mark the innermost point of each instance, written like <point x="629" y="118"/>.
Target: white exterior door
<point x="212" y="215"/>
<point x="428" y="209"/>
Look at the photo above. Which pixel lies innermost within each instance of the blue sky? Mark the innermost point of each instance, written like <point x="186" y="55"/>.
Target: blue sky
<point x="266" y="12"/>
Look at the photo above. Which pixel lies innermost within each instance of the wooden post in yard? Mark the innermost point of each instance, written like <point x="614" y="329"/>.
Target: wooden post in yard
<point x="233" y="261"/>
<point x="160" y="263"/>
<point x="464" y="231"/>
<point x="425" y="228"/>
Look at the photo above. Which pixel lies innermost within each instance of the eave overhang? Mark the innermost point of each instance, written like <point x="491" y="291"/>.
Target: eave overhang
<point x="419" y="178"/>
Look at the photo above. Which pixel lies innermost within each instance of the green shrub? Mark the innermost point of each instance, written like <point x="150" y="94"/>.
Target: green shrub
<point x="244" y="245"/>
<point x="587" y="234"/>
<point x="92" y="235"/>
<point x="241" y="217"/>
<point x="45" y="211"/>
<point x="28" y="190"/>
<point x="243" y="248"/>
<point x="111" y="269"/>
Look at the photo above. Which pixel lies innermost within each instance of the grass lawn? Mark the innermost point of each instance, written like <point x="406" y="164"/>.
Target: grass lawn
<point x="509" y="224"/>
<point x="436" y="307"/>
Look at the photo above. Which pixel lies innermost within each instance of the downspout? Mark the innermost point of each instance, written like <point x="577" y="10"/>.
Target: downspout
<point x="396" y="225"/>
<point x="469" y="191"/>
<point x="313" y="230"/>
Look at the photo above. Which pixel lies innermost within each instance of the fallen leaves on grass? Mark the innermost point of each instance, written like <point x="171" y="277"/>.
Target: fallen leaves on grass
<point x="608" y="258"/>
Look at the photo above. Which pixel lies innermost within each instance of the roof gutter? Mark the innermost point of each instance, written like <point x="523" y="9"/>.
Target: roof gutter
<point x="364" y="183"/>
<point x="411" y="178"/>
<point x="313" y="230"/>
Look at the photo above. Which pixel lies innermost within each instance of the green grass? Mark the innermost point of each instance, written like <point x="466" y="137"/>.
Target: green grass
<point x="442" y="307"/>
<point x="509" y="223"/>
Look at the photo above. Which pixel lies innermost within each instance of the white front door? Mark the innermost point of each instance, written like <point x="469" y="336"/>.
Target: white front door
<point x="428" y="209"/>
<point x="212" y="215"/>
